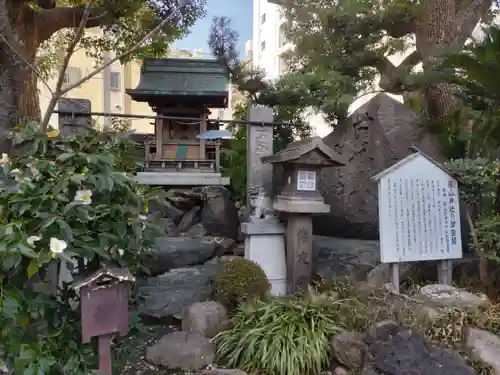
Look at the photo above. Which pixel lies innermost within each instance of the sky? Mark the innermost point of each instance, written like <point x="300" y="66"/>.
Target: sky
<point x="240" y="13"/>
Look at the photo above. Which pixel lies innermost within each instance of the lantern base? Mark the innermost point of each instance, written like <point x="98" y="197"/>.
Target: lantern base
<point x="265" y="245"/>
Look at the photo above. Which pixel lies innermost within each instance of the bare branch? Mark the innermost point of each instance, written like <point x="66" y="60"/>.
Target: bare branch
<point x="392" y="77"/>
<point x="62" y="71"/>
<point x="127" y="52"/>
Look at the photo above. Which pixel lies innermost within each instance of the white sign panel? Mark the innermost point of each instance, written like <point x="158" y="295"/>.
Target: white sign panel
<point x="419" y="213"/>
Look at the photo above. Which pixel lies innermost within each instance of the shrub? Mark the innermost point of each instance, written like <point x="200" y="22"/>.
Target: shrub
<point x="279" y="336"/>
<point x="240" y="280"/>
<point x="61" y="200"/>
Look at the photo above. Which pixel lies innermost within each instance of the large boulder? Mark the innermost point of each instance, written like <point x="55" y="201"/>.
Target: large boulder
<point x="219" y="214"/>
<point x="376" y="136"/>
<point x="175" y="252"/>
<point x="397" y="350"/>
<point x="168" y="294"/>
<point x="340" y="257"/>
<point x="182" y="351"/>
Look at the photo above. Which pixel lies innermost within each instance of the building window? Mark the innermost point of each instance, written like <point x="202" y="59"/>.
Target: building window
<point x="306" y="180"/>
<point x="263" y="46"/>
<point x="262" y="18"/>
<point x="115" y="81"/>
<point x="72" y="75"/>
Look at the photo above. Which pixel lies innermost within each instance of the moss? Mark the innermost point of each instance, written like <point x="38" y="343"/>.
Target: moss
<point x="240" y="280"/>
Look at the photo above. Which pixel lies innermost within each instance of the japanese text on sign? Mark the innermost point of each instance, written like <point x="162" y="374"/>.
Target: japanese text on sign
<point x="419" y="219"/>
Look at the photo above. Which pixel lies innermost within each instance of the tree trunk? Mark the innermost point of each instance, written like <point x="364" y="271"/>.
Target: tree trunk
<point x="11" y="70"/>
<point x="10" y="95"/>
<point x="444" y="26"/>
<point x="30" y="99"/>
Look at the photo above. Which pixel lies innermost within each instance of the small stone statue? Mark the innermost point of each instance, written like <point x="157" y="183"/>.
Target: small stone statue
<point x="261" y="203"/>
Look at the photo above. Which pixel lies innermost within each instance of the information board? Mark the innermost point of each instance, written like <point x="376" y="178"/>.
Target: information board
<point x="419" y="214"/>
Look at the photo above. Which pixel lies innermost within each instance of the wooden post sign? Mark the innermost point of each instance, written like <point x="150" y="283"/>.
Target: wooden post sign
<point x="419" y="217"/>
<point x="104" y="297"/>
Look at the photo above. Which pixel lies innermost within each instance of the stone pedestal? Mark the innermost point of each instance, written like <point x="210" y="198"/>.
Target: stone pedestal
<point x="265" y="245"/>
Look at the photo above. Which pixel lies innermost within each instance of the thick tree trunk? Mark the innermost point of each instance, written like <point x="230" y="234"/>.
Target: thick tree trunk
<point x="11" y="71"/>
<point x="10" y="95"/>
<point x="444" y="26"/>
<point x="30" y="103"/>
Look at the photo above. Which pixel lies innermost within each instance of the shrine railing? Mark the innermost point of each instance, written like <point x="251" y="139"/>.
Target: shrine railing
<point x="167" y="159"/>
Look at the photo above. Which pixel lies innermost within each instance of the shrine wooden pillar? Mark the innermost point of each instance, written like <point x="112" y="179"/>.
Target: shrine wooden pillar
<point x="203" y="128"/>
<point x="159" y="139"/>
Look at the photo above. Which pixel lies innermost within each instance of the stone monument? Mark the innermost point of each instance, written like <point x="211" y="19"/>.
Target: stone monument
<point x="264" y="241"/>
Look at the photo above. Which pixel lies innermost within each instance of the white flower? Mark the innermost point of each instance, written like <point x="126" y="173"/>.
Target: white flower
<point x="9" y="230"/>
<point x="83" y="196"/>
<point x="121" y="252"/>
<point x="15" y="171"/>
<point x="32" y="239"/>
<point x="143" y="217"/>
<point x="57" y="246"/>
<point x="5" y="159"/>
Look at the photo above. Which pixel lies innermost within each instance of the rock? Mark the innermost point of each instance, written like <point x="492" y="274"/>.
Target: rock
<point x="340" y="257"/>
<point x="167" y="211"/>
<point x="384" y="328"/>
<point x="222" y="259"/>
<point x="403" y="352"/>
<point x="182" y="351"/>
<point x="226" y="246"/>
<point x="377" y="135"/>
<point x="167" y="224"/>
<point x="185" y="199"/>
<point x="196" y="231"/>
<point x="484" y="346"/>
<point x="349" y="349"/>
<point x="167" y="295"/>
<point x="189" y="219"/>
<point x="222" y="371"/>
<point x="175" y="252"/>
<point x="205" y="318"/>
<point x="381" y="274"/>
<point x="340" y="371"/>
<point x="219" y="215"/>
<point x="439" y="295"/>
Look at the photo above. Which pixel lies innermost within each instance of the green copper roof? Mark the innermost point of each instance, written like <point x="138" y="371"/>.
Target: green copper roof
<point x="179" y="78"/>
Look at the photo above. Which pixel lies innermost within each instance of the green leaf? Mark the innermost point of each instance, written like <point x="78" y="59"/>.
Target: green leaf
<point x="71" y="205"/>
<point x="65" y="229"/>
<point x="65" y="156"/>
<point x="33" y="268"/>
<point x="48" y="222"/>
<point x="121" y="229"/>
<point x="26" y="251"/>
<point x="11" y="261"/>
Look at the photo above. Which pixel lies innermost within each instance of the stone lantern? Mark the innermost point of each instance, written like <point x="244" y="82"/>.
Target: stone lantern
<point x="298" y="197"/>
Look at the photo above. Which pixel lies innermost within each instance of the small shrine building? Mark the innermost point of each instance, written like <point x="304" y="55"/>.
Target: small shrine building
<point x="182" y="88"/>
